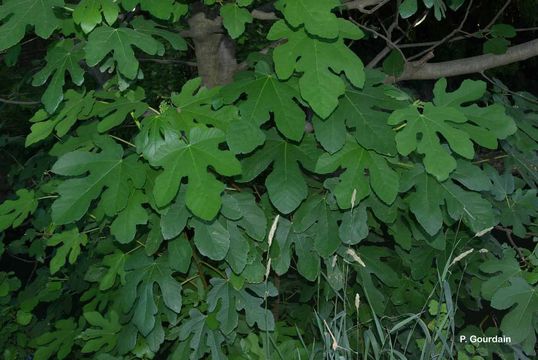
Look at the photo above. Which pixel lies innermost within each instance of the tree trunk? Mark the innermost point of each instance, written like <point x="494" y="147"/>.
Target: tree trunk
<point x="215" y="51"/>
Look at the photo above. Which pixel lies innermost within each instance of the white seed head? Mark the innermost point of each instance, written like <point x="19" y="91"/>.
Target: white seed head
<point x="268" y="269"/>
<point x="272" y="231"/>
<point x="483" y="232"/>
<point x="355" y="257"/>
<point x="461" y="256"/>
<point x="357" y="301"/>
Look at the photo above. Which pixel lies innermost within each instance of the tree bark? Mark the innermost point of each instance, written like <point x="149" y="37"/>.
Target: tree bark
<point x="420" y="70"/>
<point x="215" y="51"/>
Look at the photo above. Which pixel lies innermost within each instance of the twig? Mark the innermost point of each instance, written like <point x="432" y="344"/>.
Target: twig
<point x="470" y="65"/>
<point x="490" y="159"/>
<point x="469" y="35"/>
<point x="263" y="15"/>
<point x="169" y="61"/>
<point x="362" y="5"/>
<point x="122" y="140"/>
<point x="381" y="55"/>
<point x="508" y="233"/>
<point x="507" y="90"/>
<point x="499" y="13"/>
<point x="19" y="102"/>
<point x="446" y="38"/>
<point x="390" y="43"/>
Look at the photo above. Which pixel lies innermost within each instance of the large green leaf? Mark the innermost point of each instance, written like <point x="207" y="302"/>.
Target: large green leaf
<point x="354" y="181"/>
<point x="239" y="251"/>
<point x="430" y="195"/>
<point x="180" y="251"/>
<point x="113" y="107"/>
<point x="211" y="239"/>
<point x="116" y="267"/>
<point x="365" y="112"/>
<point x="420" y="133"/>
<point x="153" y="29"/>
<point x="308" y="260"/>
<point x="423" y="124"/>
<point x="522" y="300"/>
<point x="124" y="226"/>
<point x="58" y="342"/>
<point x="193" y="107"/>
<point x="485" y="124"/>
<point x="174" y="217"/>
<point x="139" y="291"/>
<point x="317" y="220"/>
<point x="315" y="15"/>
<point x="234" y="19"/>
<point x="71" y="242"/>
<point x="14" y="212"/>
<point x="162" y="9"/>
<point x="286" y="185"/>
<point x="90" y="13"/>
<point x="320" y="61"/>
<point x="18" y="14"/>
<point x="201" y="337"/>
<point x="76" y="106"/>
<point x="103" y="335"/>
<point x="246" y="213"/>
<point x="519" y="210"/>
<point x="500" y="271"/>
<point x="63" y="57"/>
<point x="377" y="266"/>
<point x="232" y="301"/>
<point x="119" y="42"/>
<point x="181" y="159"/>
<point x="354" y="226"/>
<point x="108" y="170"/>
<point x="266" y="95"/>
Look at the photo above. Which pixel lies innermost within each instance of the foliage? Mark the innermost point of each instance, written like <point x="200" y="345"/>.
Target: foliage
<point x="308" y="209"/>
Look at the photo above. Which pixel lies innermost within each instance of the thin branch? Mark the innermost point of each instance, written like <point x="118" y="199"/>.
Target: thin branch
<point x="364" y="6"/>
<point x="169" y="61"/>
<point x="263" y="15"/>
<point x="475" y="35"/>
<point x="244" y="65"/>
<point x="419" y="70"/>
<point x="508" y="233"/>
<point x="381" y="55"/>
<point x="467" y="36"/>
<point x="498" y="15"/>
<point x="448" y="37"/>
<point x="19" y="102"/>
<point x="389" y="42"/>
<point x="507" y="90"/>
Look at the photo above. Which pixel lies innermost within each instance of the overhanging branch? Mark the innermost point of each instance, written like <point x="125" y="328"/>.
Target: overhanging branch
<point x="420" y="70"/>
<point x="364" y="6"/>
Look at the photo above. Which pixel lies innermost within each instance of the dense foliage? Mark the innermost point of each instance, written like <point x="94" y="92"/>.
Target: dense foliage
<point x="311" y="208"/>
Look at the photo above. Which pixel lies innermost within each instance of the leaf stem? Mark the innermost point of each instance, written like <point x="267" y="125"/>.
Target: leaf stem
<point x="123" y="141"/>
<point x="48" y="197"/>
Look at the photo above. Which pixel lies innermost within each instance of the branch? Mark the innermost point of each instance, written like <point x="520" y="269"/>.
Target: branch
<point x="389" y="42"/>
<point x="446" y="38"/>
<point x="19" y="102"/>
<point x="364" y="6"/>
<point x="508" y="233"/>
<point x="263" y="15"/>
<point x="419" y="70"/>
<point x="169" y="61"/>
